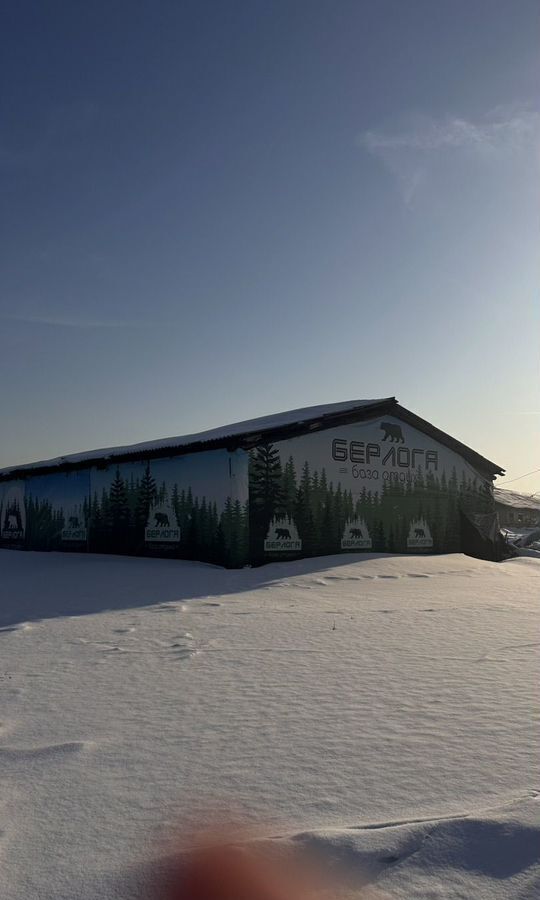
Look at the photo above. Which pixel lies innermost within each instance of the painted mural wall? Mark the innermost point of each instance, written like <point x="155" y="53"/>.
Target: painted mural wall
<point x="190" y="507"/>
<point x="57" y="511"/>
<point x="378" y="485"/>
<point x="12" y="514"/>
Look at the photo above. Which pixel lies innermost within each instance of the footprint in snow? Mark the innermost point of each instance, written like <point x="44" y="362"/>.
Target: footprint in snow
<point x="182" y="648"/>
<point x="47" y="751"/>
<point x="183" y="652"/>
<point x="343" y="577"/>
<point x="20" y="626"/>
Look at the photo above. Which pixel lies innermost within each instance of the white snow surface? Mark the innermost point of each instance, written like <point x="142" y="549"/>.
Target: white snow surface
<point x="250" y="426"/>
<point x="380" y="710"/>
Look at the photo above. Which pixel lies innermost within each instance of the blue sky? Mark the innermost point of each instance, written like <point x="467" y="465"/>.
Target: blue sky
<point x="213" y="211"/>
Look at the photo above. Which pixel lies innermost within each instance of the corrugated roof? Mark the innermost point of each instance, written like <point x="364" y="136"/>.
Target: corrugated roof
<point x="250" y="426"/>
<point x="518" y="501"/>
<point x="247" y="433"/>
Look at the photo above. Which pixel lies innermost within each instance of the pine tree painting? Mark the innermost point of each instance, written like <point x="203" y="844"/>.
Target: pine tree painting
<point x="141" y="512"/>
<point x="399" y="511"/>
<point x="321" y="509"/>
<point x="266" y="493"/>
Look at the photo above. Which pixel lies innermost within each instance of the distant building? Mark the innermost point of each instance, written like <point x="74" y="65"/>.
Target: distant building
<point x="359" y="476"/>
<point x="516" y="509"/>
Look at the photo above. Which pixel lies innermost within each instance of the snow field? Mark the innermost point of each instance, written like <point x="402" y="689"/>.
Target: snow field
<point x="382" y="710"/>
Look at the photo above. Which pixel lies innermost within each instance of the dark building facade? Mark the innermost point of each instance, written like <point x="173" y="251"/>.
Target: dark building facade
<point x="515" y="509"/>
<point x="359" y="476"/>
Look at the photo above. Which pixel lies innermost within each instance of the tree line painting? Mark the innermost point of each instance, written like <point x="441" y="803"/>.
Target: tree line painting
<point x="119" y="515"/>
<point x="45" y="522"/>
<point x="184" y="508"/>
<point x="321" y="510"/>
<point x="12" y="516"/>
<point x="109" y="512"/>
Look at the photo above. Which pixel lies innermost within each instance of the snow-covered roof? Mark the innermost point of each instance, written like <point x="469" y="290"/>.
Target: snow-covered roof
<point x="250" y="426"/>
<point x="518" y="501"/>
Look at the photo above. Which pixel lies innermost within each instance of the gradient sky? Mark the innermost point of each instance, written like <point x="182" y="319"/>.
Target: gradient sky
<point x="212" y="211"/>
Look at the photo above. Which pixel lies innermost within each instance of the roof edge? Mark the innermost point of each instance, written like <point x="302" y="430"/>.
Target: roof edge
<point x="476" y="459"/>
<point x="249" y="438"/>
<point x="245" y="440"/>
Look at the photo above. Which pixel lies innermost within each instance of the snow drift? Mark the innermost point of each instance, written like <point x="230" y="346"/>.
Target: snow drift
<point x="380" y="710"/>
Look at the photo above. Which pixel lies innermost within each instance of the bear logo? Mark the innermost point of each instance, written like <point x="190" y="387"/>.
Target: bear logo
<point x="282" y="536"/>
<point x="420" y="537"/>
<point x="162" y="526"/>
<point x="161" y="520"/>
<point x="356" y="535"/>
<point x="74" y="522"/>
<point x="12" y="518"/>
<point x="13" y="514"/>
<point x="392" y="431"/>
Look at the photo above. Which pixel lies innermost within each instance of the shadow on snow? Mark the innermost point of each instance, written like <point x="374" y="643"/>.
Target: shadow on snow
<point x="49" y="585"/>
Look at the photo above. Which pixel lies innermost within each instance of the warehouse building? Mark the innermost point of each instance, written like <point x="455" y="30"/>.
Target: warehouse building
<point x="359" y="476"/>
<point x="516" y="509"/>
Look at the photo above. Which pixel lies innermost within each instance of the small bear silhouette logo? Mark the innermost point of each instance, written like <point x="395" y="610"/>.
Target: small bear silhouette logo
<point x="419" y="535"/>
<point x="73" y="522"/>
<point x="282" y="536"/>
<point x="356" y="535"/>
<point x="13" y="515"/>
<point x="392" y="431"/>
<point x="161" y="520"/>
<point x="12" y="518"/>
